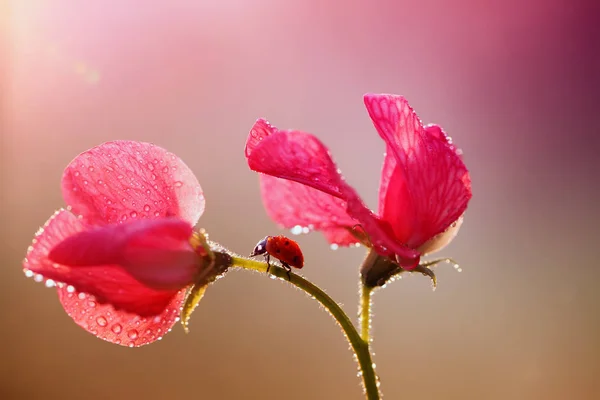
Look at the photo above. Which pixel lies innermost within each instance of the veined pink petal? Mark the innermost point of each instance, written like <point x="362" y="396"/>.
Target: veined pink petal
<point x="107" y="283"/>
<point x="290" y="204"/>
<point x="395" y="201"/>
<point x="123" y="180"/>
<point x="118" y="326"/>
<point x="434" y="188"/>
<point x="340" y="236"/>
<point x="155" y="252"/>
<point x="302" y="158"/>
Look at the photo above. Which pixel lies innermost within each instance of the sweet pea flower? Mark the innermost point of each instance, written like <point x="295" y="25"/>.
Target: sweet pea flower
<point x="424" y="189"/>
<point x="122" y="254"/>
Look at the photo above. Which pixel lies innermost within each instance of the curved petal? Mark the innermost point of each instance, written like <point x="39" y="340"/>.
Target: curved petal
<point x="428" y="187"/>
<point x="107" y="283"/>
<point x="291" y="204"/>
<point x="118" y="326"/>
<point x="155" y="252"/>
<point x="117" y="181"/>
<point x="302" y="158"/>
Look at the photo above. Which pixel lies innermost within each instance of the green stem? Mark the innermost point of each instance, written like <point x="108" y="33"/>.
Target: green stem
<point x="365" y="312"/>
<point x="360" y="346"/>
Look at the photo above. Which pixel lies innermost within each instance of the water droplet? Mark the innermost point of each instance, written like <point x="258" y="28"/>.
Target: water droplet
<point x="91" y="168"/>
<point x="178" y="184"/>
<point x="305" y="229"/>
<point x="124" y="217"/>
<point x="85" y="182"/>
<point x="116" y="328"/>
<point x="76" y="173"/>
<point x="165" y="169"/>
<point x="100" y="182"/>
<point x="92" y="304"/>
<point x="146" y="208"/>
<point x="296" y="230"/>
<point x="153" y="176"/>
<point x="28" y="273"/>
<point x="151" y="167"/>
<point x="38" y="278"/>
<point x="70" y="289"/>
<point x="133" y="214"/>
<point x="50" y="283"/>
<point x="120" y="176"/>
<point x="334" y="246"/>
<point x="131" y="344"/>
<point x="132" y="334"/>
<point x="148" y="191"/>
<point x="101" y="321"/>
<point x="81" y="296"/>
<point x="109" y="201"/>
<point x="157" y="214"/>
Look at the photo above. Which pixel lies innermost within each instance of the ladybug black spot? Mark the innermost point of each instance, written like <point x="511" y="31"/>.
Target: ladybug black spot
<point x="295" y="259"/>
<point x="277" y="251"/>
<point x="287" y="242"/>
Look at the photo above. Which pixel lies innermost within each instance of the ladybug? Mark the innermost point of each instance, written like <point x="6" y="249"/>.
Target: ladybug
<point x="282" y="248"/>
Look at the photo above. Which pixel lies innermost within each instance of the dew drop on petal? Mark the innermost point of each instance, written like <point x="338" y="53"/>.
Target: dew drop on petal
<point x="132" y="334"/>
<point x="334" y="246"/>
<point x="151" y="166"/>
<point x="76" y="173"/>
<point x="85" y="182"/>
<point x="296" y="230"/>
<point x="81" y="296"/>
<point x="116" y="328"/>
<point x="157" y="214"/>
<point x="100" y="182"/>
<point x="70" y="289"/>
<point x="133" y="214"/>
<point x="305" y="229"/>
<point x="101" y="321"/>
<point x="91" y="304"/>
<point x="38" y="278"/>
<point x="50" y="283"/>
<point x="165" y="169"/>
<point x="146" y="208"/>
<point x="124" y="217"/>
<point x="178" y="184"/>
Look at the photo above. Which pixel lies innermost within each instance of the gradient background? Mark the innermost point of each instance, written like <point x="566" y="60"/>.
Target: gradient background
<point x="515" y="83"/>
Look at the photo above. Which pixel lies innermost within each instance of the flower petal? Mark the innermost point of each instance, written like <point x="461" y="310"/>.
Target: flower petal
<point x="121" y="180"/>
<point x="291" y="204"/>
<point x="118" y="326"/>
<point x="429" y="187"/>
<point x="107" y="283"/>
<point x="155" y="252"/>
<point x="302" y="158"/>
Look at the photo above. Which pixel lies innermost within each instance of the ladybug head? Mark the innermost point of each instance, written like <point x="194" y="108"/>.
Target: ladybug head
<point x="260" y="248"/>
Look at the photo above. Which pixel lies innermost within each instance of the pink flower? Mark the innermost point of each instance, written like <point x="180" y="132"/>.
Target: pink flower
<point x="424" y="190"/>
<point x="120" y="255"/>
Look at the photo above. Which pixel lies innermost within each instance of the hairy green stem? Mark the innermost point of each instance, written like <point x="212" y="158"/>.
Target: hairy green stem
<point x="364" y="314"/>
<point x="359" y="346"/>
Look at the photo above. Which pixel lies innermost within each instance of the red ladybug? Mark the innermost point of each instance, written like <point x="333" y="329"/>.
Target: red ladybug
<point x="282" y="248"/>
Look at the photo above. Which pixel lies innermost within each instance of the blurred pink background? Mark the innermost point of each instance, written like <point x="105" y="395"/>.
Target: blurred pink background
<point x="515" y="83"/>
